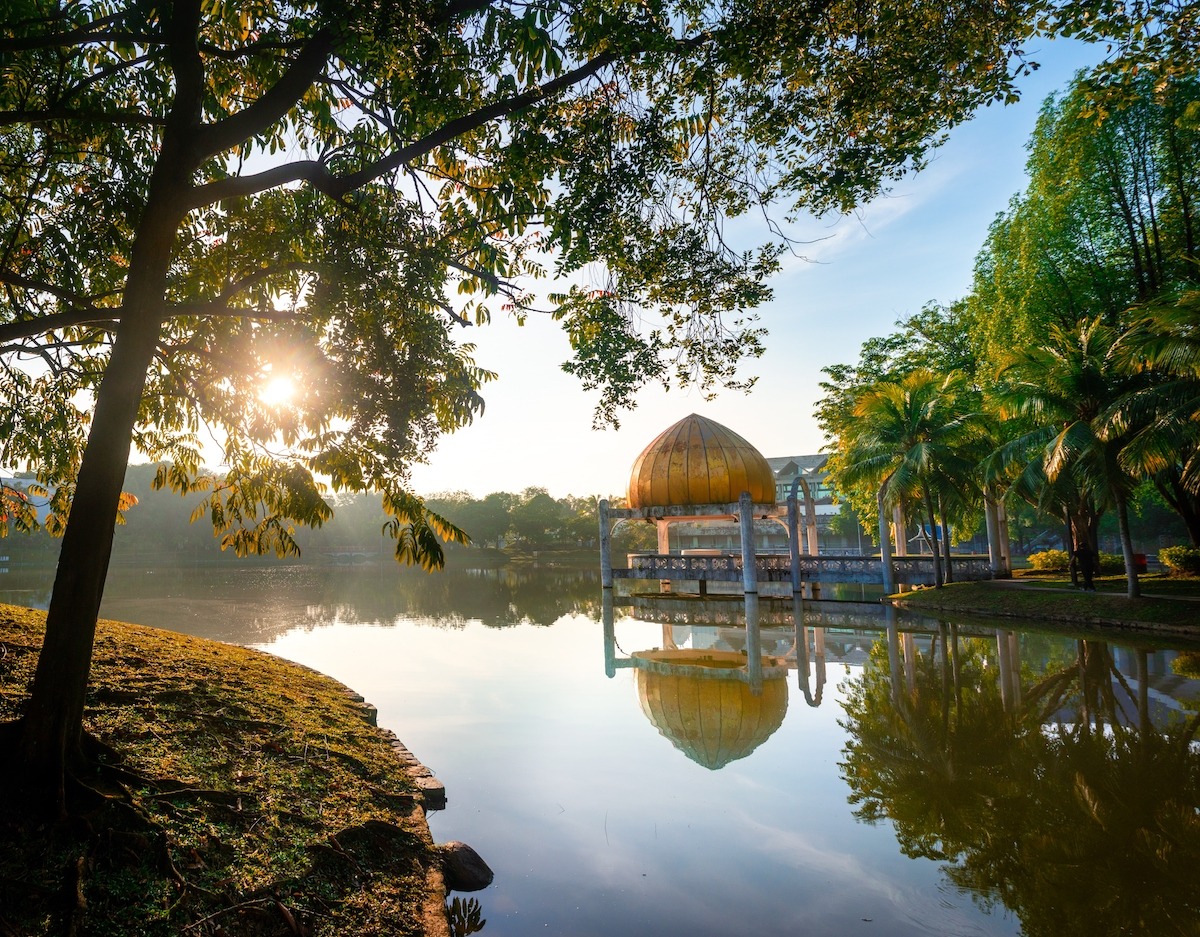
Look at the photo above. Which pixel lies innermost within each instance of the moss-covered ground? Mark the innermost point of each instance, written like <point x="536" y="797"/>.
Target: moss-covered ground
<point x="247" y="796"/>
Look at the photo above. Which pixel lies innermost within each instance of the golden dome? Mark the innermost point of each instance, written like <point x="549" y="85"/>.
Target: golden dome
<point x="699" y="461"/>
<point x="711" y="720"/>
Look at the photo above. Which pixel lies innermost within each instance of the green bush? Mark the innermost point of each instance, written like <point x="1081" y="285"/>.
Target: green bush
<point x="1059" y="561"/>
<point x="1181" y="561"/>
<point x="1050" y="561"/>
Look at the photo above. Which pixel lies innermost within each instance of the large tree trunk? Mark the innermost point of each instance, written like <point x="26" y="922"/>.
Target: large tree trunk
<point x="52" y="726"/>
<point x="50" y="733"/>
<point x="1183" y="502"/>
<point x="946" y="537"/>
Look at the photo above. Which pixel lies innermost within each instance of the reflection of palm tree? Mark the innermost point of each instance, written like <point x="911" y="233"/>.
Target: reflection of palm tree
<point x="927" y="758"/>
<point x="1076" y="831"/>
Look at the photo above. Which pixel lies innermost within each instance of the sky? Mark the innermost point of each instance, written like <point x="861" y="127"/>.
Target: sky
<point x="911" y="247"/>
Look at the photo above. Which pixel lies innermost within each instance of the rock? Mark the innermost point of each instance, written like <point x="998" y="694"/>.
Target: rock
<point x="463" y="868"/>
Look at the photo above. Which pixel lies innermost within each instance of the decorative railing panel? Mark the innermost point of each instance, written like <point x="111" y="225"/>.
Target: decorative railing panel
<point x="777" y="567"/>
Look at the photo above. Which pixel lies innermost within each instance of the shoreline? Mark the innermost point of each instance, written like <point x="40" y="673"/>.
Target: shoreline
<point x="274" y="795"/>
<point x="1167" y="616"/>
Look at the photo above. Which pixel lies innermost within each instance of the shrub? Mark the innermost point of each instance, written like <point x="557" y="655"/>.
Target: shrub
<point x="1050" y="561"/>
<point x="1181" y="561"/>
<point x="1111" y="563"/>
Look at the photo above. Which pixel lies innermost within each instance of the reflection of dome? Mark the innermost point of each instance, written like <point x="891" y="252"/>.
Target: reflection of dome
<point x="698" y="461"/>
<point x="703" y="710"/>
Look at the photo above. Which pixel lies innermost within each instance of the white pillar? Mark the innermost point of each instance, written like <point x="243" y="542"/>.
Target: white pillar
<point x="606" y="576"/>
<point x="664" y="549"/>
<point x="746" y="525"/>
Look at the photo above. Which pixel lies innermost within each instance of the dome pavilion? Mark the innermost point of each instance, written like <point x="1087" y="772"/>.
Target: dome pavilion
<point x="701" y="471"/>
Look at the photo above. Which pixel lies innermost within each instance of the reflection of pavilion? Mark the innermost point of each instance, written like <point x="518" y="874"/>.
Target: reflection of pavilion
<point x="717" y="692"/>
<point x="691" y="697"/>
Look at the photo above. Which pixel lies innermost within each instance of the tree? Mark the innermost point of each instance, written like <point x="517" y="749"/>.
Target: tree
<point x="537" y="518"/>
<point x="913" y="437"/>
<point x="1015" y="796"/>
<point x="1065" y="387"/>
<point x="1108" y="219"/>
<point x="1164" y="416"/>
<point x="200" y="199"/>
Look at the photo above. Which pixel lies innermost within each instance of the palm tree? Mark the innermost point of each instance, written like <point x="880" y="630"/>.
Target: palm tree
<point x="912" y="437"/>
<point x="1163" y="418"/>
<point x="1067" y="388"/>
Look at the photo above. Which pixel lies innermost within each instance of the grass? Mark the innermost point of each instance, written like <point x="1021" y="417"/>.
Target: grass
<point x="1165" y="605"/>
<point x="252" y="797"/>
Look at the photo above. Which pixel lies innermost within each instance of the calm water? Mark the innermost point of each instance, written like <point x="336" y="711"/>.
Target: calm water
<point x="930" y="779"/>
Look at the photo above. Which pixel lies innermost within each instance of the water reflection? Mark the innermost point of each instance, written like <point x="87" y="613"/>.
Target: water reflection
<point x="1059" y="779"/>
<point x="256" y="604"/>
<point x="717" y="692"/>
<point x="996" y="780"/>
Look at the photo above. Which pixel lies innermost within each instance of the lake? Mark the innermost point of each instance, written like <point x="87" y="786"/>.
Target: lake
<point x="624" y="771"/>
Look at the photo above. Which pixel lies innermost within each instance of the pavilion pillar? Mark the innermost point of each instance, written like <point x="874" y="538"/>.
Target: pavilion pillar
<point x="606" y="573"/>
<point x="793" y="525"/>
<point x="608" y="616"/>
<point x="664" y="549"/>
<point x="810" y="529"/>
<point x="810" y="522"/>
<point x="746" y="526"/>
<point x="754" y="660"/>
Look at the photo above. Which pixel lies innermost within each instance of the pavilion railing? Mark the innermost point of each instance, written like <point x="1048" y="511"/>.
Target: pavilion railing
<point x="776" y="567"/>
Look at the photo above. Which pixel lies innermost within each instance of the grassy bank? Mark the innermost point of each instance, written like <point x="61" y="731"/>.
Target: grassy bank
<point x="250" y="797"/>
<point x="1167" y="604"/>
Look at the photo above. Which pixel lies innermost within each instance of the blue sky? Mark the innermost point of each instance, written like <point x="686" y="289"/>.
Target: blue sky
<point x="916" y="245"/>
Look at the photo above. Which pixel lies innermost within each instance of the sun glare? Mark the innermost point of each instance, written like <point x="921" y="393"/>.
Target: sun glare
<point x="277" y="392"/>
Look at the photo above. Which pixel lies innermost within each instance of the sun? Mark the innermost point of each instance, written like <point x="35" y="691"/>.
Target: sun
<point x="277" y="391"/>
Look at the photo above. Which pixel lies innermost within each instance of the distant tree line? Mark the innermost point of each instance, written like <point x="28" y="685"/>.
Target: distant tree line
<point x="156" y="526"/>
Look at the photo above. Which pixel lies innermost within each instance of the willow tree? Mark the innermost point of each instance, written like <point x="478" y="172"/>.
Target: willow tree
<point x="1110" y="217"/>
<point x="199" y="198"/>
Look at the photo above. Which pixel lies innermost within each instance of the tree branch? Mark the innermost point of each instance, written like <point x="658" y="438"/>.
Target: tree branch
<point x="28" y="328"/>
<point x="95" y="31"/>
<point x="275" y="103"/>
<point x="67" y="296"/>
<point x="223" y="310"/>
<point x="319" y="177"/>
<point x="45" y="115"/>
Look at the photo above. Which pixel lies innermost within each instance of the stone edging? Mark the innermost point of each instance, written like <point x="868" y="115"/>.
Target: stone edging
<point x="431" y="795"/>
<point x="432" y="791"/>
